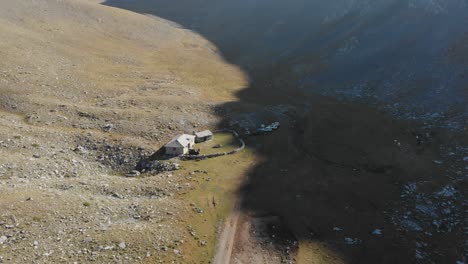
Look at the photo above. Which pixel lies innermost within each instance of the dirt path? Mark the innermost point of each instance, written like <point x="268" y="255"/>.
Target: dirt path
<point x="227" y="238"/>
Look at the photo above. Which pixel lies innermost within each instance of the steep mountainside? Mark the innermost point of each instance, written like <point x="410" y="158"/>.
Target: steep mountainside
<point x="398" y="54"/>
<point x="368" y="164"/>
<point x="91" y="58"/>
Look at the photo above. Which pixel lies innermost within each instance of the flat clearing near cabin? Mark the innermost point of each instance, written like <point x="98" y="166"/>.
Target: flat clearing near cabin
<point x="222" y="142"/>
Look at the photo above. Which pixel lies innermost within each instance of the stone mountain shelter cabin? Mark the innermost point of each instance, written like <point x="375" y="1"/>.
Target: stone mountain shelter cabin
<point x="180" y="145"/>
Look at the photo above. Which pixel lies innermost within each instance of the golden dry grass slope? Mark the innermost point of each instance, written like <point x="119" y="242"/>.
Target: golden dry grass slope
<point x="94" y="58"/>
<point x="84" y="90"/>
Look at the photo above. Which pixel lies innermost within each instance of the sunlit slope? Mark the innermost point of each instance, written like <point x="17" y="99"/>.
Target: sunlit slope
<point x="86" y="91"/>
<point x="77" y="57"/>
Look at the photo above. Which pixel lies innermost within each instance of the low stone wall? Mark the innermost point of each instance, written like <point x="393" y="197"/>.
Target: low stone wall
<point x="213" y="155"/>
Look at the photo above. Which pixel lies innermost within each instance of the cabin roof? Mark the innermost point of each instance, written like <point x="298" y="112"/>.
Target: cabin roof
<point x="205" y="133"/>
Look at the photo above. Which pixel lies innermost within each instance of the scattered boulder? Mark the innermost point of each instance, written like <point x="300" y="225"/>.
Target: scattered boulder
<point x="267" y="129"/>
<point x="108" y="127"/>
<point x="337" y="229"/>
<point x="117" y="195"/>
<point x="352" y="241"/>
<point x="79" y="149"/>
<point x="133" y="173"/>
<point x="198" y="210"/>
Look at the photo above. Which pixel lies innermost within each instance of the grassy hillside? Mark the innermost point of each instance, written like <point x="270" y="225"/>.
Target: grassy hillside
<point x="85" y="91"/>
<point x="96" y="59"/>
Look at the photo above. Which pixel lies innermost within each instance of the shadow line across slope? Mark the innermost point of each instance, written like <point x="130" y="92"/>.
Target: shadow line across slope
<point x="332" y="164"/>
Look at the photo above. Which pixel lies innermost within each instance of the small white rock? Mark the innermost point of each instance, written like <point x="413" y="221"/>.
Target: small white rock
<point x="337" y="229"/>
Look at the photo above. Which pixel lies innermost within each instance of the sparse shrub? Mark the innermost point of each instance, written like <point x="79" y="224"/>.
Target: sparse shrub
<point x="87" y="204"/>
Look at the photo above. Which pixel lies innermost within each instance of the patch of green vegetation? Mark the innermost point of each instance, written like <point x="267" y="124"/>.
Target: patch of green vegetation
<point x="17" y="137"/>
<point x="214" y="192"/>
<point x="87" y="204"/>
<point x="36" y="219"/>
<point x="35" y="145"/>
<point x="222" y="142"/>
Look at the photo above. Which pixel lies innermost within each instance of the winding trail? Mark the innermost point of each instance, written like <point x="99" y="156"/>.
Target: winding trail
<point x="227" y="238"/>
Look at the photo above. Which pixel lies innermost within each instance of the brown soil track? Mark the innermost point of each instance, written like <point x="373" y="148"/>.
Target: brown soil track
<point x="227" y="237"/>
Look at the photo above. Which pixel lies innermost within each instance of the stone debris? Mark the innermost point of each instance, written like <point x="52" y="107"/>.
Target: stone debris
<point x="352" y="241"/>
<point x="133" y="173"/>
<point x="3" y="239"/>
<point x="122" y="245"/>
<point x="79" y="149"/>
<point x="267" y="129"/>
<point x="411" y="225"/>
<point x="108" y="127"/>
<point x="157" y="166"/>
<point x="198" y="210"/>
<point x="377" y="232"/>
<point x="419" y="254"/>
<point x="198" y="171"/>
<point x="429" y="211"/>
<point x="447" y="191"/>
<point x="409" y="188"/>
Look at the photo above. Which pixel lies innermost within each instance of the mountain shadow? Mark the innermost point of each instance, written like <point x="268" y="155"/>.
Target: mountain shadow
<point x="335" y="171"/>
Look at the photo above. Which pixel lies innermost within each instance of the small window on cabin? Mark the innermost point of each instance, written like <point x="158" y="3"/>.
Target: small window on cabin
<point x="174" y="149"/>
